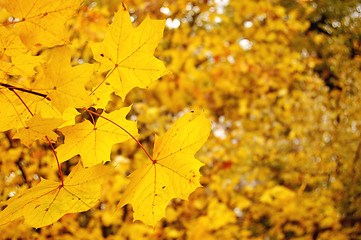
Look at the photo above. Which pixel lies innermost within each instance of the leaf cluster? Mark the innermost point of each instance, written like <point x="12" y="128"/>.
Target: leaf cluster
<point x="43" y="93"/>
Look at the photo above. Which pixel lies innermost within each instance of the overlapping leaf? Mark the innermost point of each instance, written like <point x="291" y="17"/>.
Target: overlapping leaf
<point x="62" y="83"/>
<point x="41" y="21"/>
<point x="174" y="172"/>
<point x="49" y="200"/>
<point x="38" y="128"/>
<point x="16" y="105"/>
<point x="94" y="141"/>
<point x="22" y="64"/>
<point x="128" y="53"/>
<point x="10" y="44"/>
<point x="13" y="112"/>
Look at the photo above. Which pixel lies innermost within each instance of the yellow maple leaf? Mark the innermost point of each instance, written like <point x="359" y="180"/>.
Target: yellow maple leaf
<point x="49" y="200"/>
<point x="94" y="141"/>
<point x="128" y="53"/>
<point x="37" y="128"/>
<point x="10" y="44"/>
<point x="41" y="21"/>
<point x="173" y="172"/>
<point x="12" y="111"/>
<point x="101" y="96"/>
<point x="22" y="64"/>
<point x="62" y="83"/>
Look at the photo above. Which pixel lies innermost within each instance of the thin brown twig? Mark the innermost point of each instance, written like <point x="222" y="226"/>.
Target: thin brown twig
<point x="11" y="87"/>
<point x="57" y="160"/>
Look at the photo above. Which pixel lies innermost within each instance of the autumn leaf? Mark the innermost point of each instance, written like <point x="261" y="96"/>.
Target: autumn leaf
<point x="102" y="94"/>
<point x="37" y="128"/>
<point x="10" y="44"/>
<point x="62" y="83"/>
<point x="94" y="141"/>
<point x="22" y="64"/>
<point x="128" y="53"/>
<point x="49" y="200"/>
<point x="173" y="172"/>
<point x="41" y="21"/>
<point x="17" y="101"/>
<point x="12" y="111"/>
